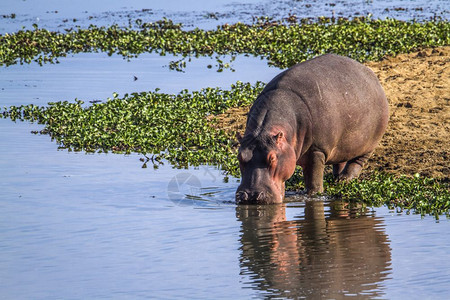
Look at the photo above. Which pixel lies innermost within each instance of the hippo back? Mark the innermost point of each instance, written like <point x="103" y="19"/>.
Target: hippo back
<point x="346" y="104"/>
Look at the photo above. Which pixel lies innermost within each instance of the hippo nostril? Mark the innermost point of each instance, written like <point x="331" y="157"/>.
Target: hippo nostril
<point x="260" y="196"/>
<point x="243" y="196"/>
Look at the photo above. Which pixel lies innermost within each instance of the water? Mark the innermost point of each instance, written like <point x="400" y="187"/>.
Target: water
<point x="57" y="15"/>
<point x="95" y="76"/>
<point x="100" y="226"/>
<point x="84" y="226"/>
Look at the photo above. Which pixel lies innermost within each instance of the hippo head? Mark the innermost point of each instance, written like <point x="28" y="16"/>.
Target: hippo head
<point x="266" y="162"/>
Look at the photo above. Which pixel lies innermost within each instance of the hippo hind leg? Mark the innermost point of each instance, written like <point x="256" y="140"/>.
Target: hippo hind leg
<point x="338" y="168"/>
<point x="353" y="167"/>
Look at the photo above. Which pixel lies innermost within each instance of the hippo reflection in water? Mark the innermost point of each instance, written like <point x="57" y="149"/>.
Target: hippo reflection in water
<point x="316" y="257"/>
<point x="328" y="110"/>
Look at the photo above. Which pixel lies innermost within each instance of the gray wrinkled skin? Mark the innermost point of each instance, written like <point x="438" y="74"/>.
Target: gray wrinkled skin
<point x="328" y="110"/>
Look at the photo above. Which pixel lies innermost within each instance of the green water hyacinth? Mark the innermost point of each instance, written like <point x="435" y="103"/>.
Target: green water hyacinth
<point x="421" y="195"/>
<point x="282" y="44"/>
<point x="418" y="194"/>
<point x="173" y="127"/>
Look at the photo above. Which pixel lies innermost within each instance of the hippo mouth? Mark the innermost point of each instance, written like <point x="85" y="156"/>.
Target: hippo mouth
<point x="253" y="198"/>
<point x="247" y="197"/>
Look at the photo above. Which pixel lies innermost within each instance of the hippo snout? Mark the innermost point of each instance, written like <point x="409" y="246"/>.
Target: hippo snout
<point x="247" y="197"/>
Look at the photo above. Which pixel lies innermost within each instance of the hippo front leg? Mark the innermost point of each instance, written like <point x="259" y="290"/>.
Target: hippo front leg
<point x="313" y="172"/>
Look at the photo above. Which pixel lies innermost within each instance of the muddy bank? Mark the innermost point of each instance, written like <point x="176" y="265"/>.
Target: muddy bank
<point x="417" y="140"/>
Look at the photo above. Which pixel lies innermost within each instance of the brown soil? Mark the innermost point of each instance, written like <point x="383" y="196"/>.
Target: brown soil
<point x="417" y="140"/>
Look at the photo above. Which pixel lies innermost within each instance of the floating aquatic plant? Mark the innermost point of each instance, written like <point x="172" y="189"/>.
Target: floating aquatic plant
<point x="422" y="195"/>
<point x="418" y="194"/>
<point x="282" y="44"/>
<point x="173" y="127"/>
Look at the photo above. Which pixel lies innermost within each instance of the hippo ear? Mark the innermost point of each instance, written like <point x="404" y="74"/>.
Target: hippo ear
<point x="239" y="137"/>
<point x="279" y="137"/>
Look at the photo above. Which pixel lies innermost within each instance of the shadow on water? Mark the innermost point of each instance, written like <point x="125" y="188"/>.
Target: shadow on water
<point x="329" y="252"/>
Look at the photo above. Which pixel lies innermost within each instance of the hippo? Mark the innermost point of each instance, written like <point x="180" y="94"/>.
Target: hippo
<point x="327" y="110"/>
